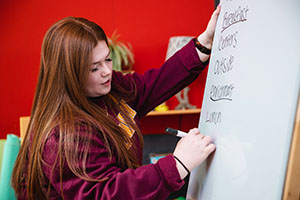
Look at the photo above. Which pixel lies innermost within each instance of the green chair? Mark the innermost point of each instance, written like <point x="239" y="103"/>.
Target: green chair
<point x="10" y="152"/>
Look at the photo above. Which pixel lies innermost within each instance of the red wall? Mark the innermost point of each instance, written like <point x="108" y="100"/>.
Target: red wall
<point x="147" y="25"/>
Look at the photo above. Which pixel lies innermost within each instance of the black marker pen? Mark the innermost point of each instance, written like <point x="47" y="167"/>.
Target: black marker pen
<point x="175" y="132"/>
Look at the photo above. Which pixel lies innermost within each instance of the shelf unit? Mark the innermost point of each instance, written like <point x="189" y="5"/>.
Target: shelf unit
<point x="155" y="122"/>
<point x="174" y="112"/>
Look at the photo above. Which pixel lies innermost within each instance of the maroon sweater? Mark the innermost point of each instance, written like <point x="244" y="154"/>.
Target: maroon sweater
<point x="152" y="181"/>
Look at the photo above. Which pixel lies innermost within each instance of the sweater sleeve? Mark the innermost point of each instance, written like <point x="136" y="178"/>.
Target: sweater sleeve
<point x="153" y="181"/>
<point x="157" y="85"/>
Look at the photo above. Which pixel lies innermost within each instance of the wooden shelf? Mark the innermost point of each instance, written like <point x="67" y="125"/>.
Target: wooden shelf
<point x="174" y="112"/>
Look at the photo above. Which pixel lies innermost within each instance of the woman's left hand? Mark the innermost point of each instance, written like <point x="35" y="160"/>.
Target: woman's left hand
<point x="211" y="26"/>
<point x="206" y="38"/>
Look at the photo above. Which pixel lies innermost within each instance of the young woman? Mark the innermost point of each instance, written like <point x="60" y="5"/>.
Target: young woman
<point x="83" y="139"/>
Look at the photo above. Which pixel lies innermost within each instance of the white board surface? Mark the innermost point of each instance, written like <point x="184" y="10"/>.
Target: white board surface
<point x="250" y="101"/>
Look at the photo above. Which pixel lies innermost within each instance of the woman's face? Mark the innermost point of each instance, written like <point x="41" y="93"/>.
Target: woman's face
<point x="99" y="79"/>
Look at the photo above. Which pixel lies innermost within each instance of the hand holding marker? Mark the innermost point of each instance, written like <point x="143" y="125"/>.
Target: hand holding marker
<point x="175" y="132"/>
<point x="192" y="149"/>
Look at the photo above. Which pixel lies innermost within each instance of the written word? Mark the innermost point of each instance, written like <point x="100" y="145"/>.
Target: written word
<point x="231" y="18"/>
<point x="223" y="92"/>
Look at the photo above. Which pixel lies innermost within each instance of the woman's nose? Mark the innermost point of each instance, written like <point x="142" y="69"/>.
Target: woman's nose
<point x="106" y="70"/>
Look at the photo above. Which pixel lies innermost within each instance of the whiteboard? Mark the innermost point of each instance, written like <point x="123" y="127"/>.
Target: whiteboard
<point x="250" y="101"/>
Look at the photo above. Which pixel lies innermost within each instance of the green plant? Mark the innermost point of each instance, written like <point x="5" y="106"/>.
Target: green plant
<point x="121" y="53"/>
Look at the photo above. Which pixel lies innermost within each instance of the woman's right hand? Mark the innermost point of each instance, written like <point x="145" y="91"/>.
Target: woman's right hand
<point x="192" y="150"/>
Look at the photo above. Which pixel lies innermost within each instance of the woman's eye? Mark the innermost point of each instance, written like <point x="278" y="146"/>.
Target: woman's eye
<point x="94" y="69"/>
<point x="108" y="59"/>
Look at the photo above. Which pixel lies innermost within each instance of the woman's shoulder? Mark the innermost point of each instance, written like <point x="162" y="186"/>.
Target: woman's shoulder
<point x="123" y="80"/>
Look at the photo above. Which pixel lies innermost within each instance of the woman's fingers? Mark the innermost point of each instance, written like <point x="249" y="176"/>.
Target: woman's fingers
<point x="206" y="140"/>
<point x="194" y="131"/>
<point x="202" y="138"/>
<point x="210" y="30"/>
<point x="210" y="148"/>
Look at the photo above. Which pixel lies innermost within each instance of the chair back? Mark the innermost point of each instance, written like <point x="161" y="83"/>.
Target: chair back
<point x="10" y="153"/>
<point x="24" y="121"/>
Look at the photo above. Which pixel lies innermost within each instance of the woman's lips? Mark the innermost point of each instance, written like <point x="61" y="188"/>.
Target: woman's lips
<point x="106" y="82"/>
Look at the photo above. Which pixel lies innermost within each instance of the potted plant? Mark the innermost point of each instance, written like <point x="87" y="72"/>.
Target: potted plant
<point x="121" y="53"/>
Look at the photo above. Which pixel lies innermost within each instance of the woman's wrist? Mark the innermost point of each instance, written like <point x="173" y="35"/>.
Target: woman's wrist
<point x="182" y="172"/>
<point x="182" y="169"/>
<point x="205" y="40"/>
<point x="201" y="47"/>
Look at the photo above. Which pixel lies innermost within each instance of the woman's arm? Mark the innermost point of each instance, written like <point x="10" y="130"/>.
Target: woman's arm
<point x="153" y="181"/>
<point x="158" y="85"/>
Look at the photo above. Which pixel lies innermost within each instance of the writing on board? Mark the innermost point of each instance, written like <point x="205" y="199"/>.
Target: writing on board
<point x="221" y="92"/>
<point x="231" y="18"/>
<point x="225" y="64"/>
